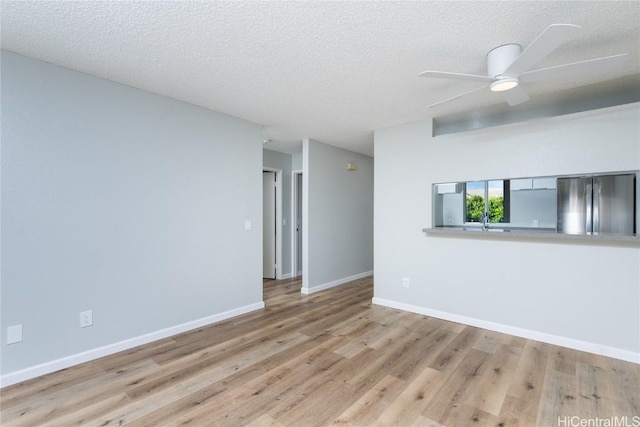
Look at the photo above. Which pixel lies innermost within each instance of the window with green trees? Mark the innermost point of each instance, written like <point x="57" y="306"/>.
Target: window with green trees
<point x="487" y="196"/>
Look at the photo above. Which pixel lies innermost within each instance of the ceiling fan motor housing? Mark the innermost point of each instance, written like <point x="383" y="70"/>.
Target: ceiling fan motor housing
<point x="500" y="58"/>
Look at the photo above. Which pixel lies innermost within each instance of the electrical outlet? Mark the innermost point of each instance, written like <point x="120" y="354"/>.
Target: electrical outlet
<point x="86" y="318"/>
<point x="406" y="282"/>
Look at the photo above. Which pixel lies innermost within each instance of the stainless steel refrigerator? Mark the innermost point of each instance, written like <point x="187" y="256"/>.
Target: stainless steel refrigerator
<point x="597" y="205"/>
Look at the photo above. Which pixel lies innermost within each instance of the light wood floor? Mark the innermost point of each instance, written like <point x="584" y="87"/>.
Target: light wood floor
<point x="331" y="358"/>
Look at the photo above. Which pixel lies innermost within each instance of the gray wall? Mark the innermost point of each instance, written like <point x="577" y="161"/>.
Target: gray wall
<point x="337" y="215"/>
<point x="296" y="161"/>
<point x="275" y="160"/>
<point x="579" y="292"/>
<point x="123" y="202"/>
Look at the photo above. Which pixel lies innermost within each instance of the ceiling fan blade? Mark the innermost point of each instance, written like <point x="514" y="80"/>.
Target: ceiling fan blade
<point x="456" y="97"/>
<point x="567" y="70"/>
<point x="515" y="96"/>
<point x="543" y="45"/>
<point x="455" y="76"/>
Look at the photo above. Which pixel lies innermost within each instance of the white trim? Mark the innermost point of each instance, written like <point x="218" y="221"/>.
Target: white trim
<point x="287" y="276"/>
<point x="96" y="353"/>
<point x="278" y="173"/>
<point x="305" y="214"/>
<point x="335" y="283"/>
<point x="294" y="218"/>
<point x="616" y="353"/>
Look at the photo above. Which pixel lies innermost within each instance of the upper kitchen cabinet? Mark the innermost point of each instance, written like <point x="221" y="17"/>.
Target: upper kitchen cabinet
<point x="521" y="184"/>
<point x="548" y="183"/>
<point x="544" y="183"/>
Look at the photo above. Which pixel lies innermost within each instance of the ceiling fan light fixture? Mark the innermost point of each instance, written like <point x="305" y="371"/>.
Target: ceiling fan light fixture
<point x="504" y="84"/>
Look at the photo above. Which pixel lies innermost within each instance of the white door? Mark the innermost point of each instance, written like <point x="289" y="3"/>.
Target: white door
<point x="269" y="225"/>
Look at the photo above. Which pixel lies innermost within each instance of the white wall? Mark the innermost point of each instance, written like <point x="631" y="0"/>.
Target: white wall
<point x="275" y="160"/>
<point x="123" y="202"/>
<point x="337" y="216"/>
<point x="579" y="294"/>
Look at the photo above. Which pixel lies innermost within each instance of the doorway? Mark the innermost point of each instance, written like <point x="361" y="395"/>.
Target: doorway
<point x="296" y="214"/>
<point x="268" y="225"/>
<point x="271" y="223"/>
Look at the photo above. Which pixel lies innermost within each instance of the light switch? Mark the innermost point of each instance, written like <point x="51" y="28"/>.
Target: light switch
<point x="247" y="225"/>
<point x="14" y="334"/>
<point x="284" y="222"/>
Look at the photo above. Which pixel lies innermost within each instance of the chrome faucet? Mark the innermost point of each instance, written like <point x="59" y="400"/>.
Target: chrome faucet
<point x="485" y="221"/>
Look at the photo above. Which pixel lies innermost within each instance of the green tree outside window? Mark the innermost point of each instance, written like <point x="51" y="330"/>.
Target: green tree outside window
<point x="475" y="208"/>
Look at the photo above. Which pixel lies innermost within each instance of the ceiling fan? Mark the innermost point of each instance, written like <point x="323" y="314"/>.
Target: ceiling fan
<point x="508" y="66"/>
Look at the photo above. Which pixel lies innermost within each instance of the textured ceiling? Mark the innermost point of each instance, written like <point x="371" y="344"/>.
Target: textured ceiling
<point x="332" y="71"/>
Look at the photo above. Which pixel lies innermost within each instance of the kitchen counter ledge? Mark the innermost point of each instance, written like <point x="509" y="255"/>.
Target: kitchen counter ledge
<point x="530" y="234"/>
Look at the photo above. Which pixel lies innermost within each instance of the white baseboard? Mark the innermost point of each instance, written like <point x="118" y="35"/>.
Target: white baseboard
<point x="96" y="353"/>
<point x="287" y="276"/>
<point x="589" y="347"/>
<point x="334" y="283"/>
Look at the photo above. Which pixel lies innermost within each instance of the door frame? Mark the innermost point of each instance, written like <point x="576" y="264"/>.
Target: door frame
<point x="278" y="220"/>
<point x="295" y="268"/>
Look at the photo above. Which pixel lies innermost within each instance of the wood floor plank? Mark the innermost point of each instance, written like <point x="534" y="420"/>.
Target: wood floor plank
<point x="193" y="364"/>
<point x="116" y="361"/>
<point x="41" y="387"/>
<point x="375" y="370"/>
<point x="222" y="391"/>
<point x="413" y="400"/>
<point x="490" y="390"/>
<point x="264" y="392"/>
<point x="558" y="399"/>
<point x="330" y="358"/>
<point x="326" y="394"/>
<point x="489" y="342"/>
<point x="449" y="359"/>
<point x="423" y="421"/>
<point x="183" y="403"/>
<point x="518" y="412"/>
<point x="156" y="398"/>
<point x="366" y="410"/>
<point x="325" y="322"/>
<point x="593" y="395"/>
<point x="364" y="341"/>
<point x="446" y="405"/>
<point x="623" y="377"/>
<point x="423" y="351"/>
<point x="529" y="374"/>
<point x="88" y="412"/>
<point x="354" y="325"/>
<point x="252" y="402"/>
<point x="35" y="409"/>
<point x="387" y="334"/>
<point x="271" y="364"/>
<point x="470" y="416"/>
<point x="265" y="420"/>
